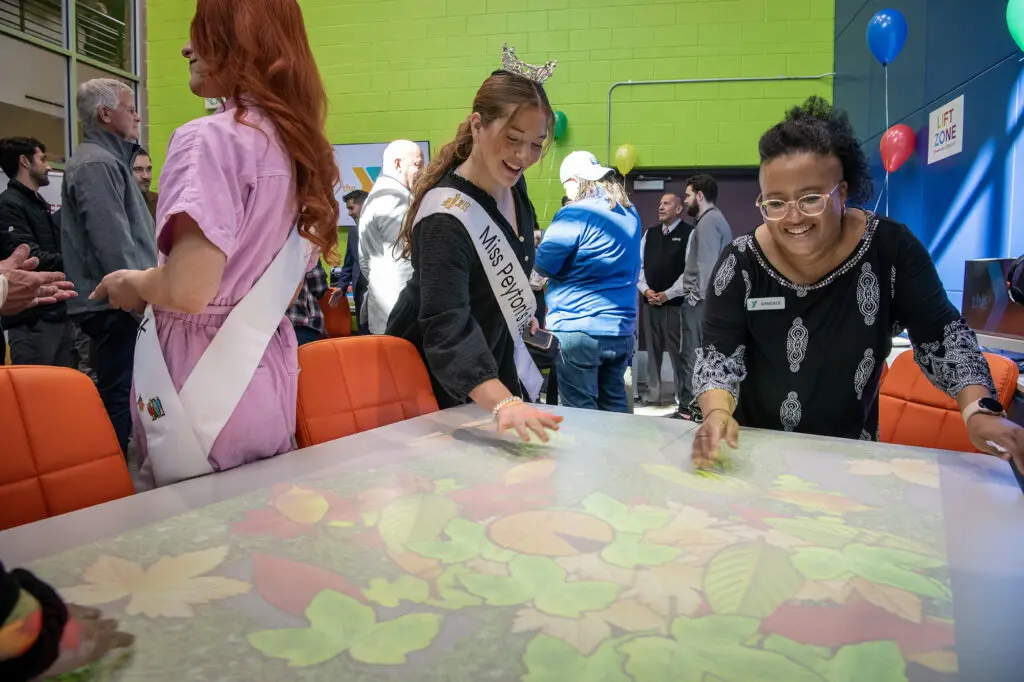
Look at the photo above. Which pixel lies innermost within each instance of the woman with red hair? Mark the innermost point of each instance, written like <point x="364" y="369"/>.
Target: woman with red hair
<point x="245" y="196"/>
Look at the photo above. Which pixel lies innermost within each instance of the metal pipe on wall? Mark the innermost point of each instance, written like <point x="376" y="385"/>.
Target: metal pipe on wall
<point x="678" y="81"/>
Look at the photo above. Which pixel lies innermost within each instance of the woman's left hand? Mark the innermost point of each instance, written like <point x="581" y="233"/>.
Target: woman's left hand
<point x="985" y="429"/>
<point x="122" y="290"/>
<point x="534" y="326"/>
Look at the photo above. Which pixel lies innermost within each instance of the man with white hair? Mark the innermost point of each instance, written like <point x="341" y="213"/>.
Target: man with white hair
<point x="380" y="253"/>
<point x="106" y="226"/>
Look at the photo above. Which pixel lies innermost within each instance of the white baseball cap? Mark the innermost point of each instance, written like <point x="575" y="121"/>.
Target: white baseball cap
<point x="583" y="165"/>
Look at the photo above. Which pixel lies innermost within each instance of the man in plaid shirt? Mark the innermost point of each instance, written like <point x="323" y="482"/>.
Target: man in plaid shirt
<point x="305" y="314"/>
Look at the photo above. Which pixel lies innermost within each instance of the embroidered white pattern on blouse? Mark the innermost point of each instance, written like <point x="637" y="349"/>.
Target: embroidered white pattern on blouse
<point x="725" y="274"/>
<point x="892" y="282"/>
<point x="741" y="243"/>
<point x="864" y="435"/>
<point x="864" y="371"/>
<point x="712" y="369"/>
<point x="791" y="412"/>
<point x="867" y="294"/>
<point x="746" y="283"/>
<point x="954" y="362"/>
<point x="796" y="344"/>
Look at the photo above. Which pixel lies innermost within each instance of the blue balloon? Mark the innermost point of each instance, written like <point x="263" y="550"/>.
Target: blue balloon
<point x="887" y="33"/>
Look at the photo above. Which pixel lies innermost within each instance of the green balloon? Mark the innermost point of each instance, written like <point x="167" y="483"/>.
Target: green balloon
<point x="561" y="123"/>
<point x="1015" y="21"/>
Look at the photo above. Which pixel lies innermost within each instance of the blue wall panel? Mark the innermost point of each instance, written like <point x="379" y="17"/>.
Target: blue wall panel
<point x="965" y="206"/>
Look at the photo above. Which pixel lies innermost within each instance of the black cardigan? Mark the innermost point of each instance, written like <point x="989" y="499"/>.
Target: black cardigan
<point x="448" y="310"/>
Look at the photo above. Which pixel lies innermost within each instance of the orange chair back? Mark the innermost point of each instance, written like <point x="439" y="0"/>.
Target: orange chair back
<point x="360" y="383"/>
<point x="59" y="450"/>
<point x="337" y="321"/>
<point x="913" y="412"/>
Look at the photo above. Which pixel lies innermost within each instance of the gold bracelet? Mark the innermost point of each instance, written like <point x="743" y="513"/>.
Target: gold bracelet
<point x="505" y="403"/>
<point x="717" y="409"/>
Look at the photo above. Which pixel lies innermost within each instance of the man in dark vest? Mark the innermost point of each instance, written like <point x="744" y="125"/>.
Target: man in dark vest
<point x="663" y="259"/>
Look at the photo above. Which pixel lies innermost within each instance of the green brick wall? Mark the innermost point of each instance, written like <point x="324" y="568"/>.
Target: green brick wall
<point x="409" y="68"/>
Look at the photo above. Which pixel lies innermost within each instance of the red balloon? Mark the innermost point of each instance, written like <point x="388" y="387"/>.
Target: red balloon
<point x="897" y="146"/>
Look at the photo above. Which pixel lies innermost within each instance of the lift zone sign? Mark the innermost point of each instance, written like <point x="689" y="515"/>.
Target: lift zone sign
<point x="946" y="130"/>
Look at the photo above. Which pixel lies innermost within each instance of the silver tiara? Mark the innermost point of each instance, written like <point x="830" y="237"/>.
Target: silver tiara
<point x="538" y="74"/>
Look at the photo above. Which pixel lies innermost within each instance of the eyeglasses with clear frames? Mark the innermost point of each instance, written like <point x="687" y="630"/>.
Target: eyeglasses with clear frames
<point x="810" y="205"/>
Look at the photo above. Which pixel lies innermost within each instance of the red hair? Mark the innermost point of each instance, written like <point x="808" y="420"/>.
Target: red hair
<point x="258" y="52"/>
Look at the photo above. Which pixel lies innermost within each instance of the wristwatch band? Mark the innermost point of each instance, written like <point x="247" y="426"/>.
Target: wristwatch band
<point x="980" y="407"/>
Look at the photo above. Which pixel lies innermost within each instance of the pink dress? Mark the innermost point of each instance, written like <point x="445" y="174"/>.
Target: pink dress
<point x="236" y="182"/>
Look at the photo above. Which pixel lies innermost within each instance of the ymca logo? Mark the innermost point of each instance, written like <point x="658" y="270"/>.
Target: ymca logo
<point x="366" y="176"/>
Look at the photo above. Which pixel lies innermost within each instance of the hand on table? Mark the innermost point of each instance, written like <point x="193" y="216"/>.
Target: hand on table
<point x="27" y="288"/>
<point x="88" y="637"/>
<point x="988" y="428"/>
<point x="524" y="418"/>
<point x="121" y="289"/>
<point x="717" y="425"/>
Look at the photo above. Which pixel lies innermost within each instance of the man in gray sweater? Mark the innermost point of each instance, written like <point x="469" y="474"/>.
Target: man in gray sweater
<point x="106" y="226"/>
<point x="711" y="234"/>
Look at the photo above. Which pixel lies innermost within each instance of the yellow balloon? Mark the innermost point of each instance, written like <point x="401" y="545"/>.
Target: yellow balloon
<point x="625" y="158"/>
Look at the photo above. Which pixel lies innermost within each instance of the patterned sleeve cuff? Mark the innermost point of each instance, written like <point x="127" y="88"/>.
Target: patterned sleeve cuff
<point x="955" y="362"/>
<point x="714" y="370"/>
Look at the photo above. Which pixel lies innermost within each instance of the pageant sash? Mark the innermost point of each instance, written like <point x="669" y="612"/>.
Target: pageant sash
<point x="508" y="280"/>
<point x="181" y="427"/>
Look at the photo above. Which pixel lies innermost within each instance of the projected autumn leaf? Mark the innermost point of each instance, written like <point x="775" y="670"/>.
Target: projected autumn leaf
<point x="707" y="482"/>
<point x="541" y="581"/>
<point x="622" y="517"/>
<point x="338" y="623"/>
<point x="551" y="533"/>
<point x="549" y="659"/>
<point x="807" y="495"/>
<point x="170" y="587"/>
<point x="466" y="540"/>
<point x="295" y="511"/>
<point x="586" y="632"/>
<point x="875" y="661"/>
<point x="882" y="565"/>
<point x="696" y="531"/>
<point x="712" y="646"/>
<point x="669" y="589"/>
<point x="919" y="471"/>
<point x="390" y="594"/>
<point x="292" y="585"/>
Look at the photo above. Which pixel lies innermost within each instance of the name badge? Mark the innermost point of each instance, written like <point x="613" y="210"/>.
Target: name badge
<point x="777" y="303"/>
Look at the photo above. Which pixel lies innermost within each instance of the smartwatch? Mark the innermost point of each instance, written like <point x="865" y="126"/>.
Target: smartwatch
<point x="984" y="406"/>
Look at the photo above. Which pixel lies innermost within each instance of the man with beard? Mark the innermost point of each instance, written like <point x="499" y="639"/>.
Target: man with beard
<point x="40" y="335"/>
<point x="142" y="169"/>
<point x="711" y="234"/>
<point x="350" y="273"/>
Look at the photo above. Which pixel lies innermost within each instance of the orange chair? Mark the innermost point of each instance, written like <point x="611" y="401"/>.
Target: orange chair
<point x="913" y="412"/>
<point x="351" y="385"/>
<point x="58" y="451"/>
<point x="337" y="321"/>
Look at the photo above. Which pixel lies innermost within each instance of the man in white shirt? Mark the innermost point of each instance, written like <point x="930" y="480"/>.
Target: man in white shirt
<point x="663" y="260"/>
<point x="380" y="253"/>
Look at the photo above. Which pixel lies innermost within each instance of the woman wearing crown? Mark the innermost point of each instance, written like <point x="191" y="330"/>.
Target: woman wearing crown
<point x="469" y="235"/>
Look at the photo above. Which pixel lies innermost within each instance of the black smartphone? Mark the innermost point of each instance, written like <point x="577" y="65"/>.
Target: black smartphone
<point x="542" y="340"/>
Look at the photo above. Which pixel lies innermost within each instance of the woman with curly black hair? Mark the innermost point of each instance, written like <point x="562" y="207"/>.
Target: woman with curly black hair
<point x="800" y="314"/>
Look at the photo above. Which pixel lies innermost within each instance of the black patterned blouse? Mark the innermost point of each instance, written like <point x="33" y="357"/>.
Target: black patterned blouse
<point x="809" y="358"/>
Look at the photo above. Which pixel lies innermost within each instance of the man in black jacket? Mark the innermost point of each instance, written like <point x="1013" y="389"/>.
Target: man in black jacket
<point x="40" y="335"/>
